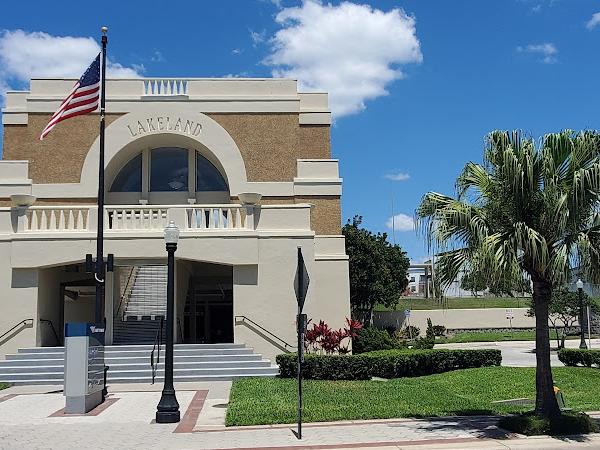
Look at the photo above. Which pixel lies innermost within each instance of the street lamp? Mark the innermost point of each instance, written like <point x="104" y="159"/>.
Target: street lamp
<point x="168" y="407"/>
<point x="579" y="284"/>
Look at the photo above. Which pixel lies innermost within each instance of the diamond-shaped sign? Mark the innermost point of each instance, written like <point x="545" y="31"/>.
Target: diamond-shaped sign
<point x="301" y="281"/>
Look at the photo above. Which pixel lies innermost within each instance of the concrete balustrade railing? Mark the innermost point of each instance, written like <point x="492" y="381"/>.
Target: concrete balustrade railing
<point x="190" y="218"/>
<point x="51" y="218"/>
<point x="229" y="217"/>
<point x="165" y="86"/>
<point x="135" y="218"/>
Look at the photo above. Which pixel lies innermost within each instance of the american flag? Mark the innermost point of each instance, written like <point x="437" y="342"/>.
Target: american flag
<point x="83" y="99"/>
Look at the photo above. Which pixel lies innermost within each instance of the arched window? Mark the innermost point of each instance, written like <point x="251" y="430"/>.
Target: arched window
<point x="168" y="169"/>
<point x="208" y="177"/>
<point x="129" y="178"/>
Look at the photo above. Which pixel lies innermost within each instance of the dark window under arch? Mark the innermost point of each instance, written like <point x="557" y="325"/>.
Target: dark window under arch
<point x="208" y="177"/>
<point x="169" y="173"/>
<point x="129" y="179"/>
<point x="168" y="169"/>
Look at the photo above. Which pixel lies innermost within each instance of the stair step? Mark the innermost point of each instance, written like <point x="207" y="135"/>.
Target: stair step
<point x="131" y="364"/>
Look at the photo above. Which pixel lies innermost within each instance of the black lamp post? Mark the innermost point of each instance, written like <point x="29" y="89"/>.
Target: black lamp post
<point x="168" y="407"/>
<point x="579" y="283"/>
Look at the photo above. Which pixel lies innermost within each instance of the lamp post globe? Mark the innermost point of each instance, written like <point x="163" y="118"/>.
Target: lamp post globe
<point x="167" y="410"/>
<point x="579" y="285"/>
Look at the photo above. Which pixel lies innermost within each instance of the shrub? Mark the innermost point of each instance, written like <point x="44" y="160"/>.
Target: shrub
<point x="579" y="357"/>
<point x="439" y="330"/>
<point x="409" y="332"/>
<point x="322" y="338"/>
<point x="567" y="423"/>
<point x="423" y="343"/>
<point x="428" y="341"/>
<point x="371" y="339"/>
<point x="386" y="363"/>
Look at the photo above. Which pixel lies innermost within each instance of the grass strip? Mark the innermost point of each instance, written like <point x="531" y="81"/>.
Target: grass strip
<point x="257" y="401"/>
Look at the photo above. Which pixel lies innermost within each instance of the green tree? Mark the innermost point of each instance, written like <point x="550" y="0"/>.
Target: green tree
<point x="378" y="270"/>
<point x="473" y="281"/>
<point x="529" y="208"/>
<point x="564" y="312"/>
<point x="477" y="280"/>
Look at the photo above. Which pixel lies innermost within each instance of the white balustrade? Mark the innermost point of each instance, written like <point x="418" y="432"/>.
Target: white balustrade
<point x="222" y="218"/>
<point x="59" y="218"/>
<point x="217" y="217"/>
<point x="135" y="218"/>
<point x="165" y="86"/>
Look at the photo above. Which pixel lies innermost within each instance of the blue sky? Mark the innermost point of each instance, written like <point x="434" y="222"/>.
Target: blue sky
<point x="444" y="73"/>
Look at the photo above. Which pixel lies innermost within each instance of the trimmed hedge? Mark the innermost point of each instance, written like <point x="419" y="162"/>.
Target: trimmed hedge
<point x="386" y="363"/>
<point x="371" y="339"/>
<point x="579" y="357"/>
<point x="568" y="423"/>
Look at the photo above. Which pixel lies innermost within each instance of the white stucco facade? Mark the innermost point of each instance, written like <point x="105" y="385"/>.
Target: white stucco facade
<point x="43" y="246"/>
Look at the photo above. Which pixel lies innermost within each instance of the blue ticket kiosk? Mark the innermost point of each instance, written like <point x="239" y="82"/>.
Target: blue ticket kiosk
<point x="84" y="366"/>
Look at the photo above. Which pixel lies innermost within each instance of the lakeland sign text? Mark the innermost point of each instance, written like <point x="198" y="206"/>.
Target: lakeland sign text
<point x="165" y="123"/>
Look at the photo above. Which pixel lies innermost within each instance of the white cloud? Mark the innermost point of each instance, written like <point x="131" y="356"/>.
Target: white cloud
<point x="157" y="56"/>
<point x="397" y="176"/>
<point x="258" y="37"/>
<point x="25" y="55"/>
<point x="351" y="51"/>
<point x="593" y="22"/>
<point x="236" y="75"/>
<point x="547" y="50"/>
<point x="401" y="222"/>
<point x="237" y="51"/>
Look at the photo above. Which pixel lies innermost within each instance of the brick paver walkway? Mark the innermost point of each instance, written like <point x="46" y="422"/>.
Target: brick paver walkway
<point x="34" y="421"/>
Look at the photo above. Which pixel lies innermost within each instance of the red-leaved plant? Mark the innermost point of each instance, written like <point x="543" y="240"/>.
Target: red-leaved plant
<point x="321" y="338"/>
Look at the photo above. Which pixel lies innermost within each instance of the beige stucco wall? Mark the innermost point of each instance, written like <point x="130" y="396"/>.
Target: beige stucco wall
<point x="265" y="294"/>
<point x="326" y="214"/>
<point x="456" y="318"/>
<point x="270" y="144"/>
<point x="59" y="157"/>
<point x="263" y="261"/>
<point x="18" y="301"/>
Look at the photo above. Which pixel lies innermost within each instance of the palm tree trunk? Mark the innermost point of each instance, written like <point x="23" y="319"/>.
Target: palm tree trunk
<point x="545" y="400"/>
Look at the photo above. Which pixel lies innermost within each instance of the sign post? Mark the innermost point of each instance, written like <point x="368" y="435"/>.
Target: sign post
<point x="407" y="316"/>
<point x="300" y="286"/>
<point x="510" y="316"/>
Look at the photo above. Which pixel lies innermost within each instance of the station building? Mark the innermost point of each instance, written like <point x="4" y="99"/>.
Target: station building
<point x="243" y="167"/>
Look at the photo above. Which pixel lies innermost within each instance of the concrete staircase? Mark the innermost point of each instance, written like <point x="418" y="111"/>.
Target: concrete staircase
<point x="131" y="364"/>
<point x="149" y="294"/>
<point x="146" y="305"/>
<point x="135" y="331"/>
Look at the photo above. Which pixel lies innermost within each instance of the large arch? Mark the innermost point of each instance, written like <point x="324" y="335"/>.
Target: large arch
<point x="165" y="124"/>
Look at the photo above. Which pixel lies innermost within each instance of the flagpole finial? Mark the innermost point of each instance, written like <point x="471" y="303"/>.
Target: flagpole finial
<point x="104" y="30"/>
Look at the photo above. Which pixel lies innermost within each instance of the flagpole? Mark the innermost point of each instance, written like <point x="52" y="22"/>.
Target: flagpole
<point x="99" y="275"/>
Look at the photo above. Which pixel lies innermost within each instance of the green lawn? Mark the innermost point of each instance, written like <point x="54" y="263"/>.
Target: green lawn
<point x="463" y="392"/>
<point x="497" y="336"/>
<point x="3" y="386"/>
<point x="457" y="303"/>
<point x="488" y="336"/>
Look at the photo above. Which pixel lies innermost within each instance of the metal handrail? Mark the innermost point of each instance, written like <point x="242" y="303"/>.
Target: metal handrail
<point x="244" y="318"/>
<point x="179" y="329"/>
<point x="53" y="330"/>
<point x="125" y="294"/>
<point x="22" y="322"/>
<point x="156" y="346"/>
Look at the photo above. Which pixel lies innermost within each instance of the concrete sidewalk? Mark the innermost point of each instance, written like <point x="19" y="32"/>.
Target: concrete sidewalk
<point x="32" y="418"/>
<point x="518" y="353"/>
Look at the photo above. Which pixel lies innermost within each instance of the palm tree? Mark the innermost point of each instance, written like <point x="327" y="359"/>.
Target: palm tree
<point x="526" y="208"/>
